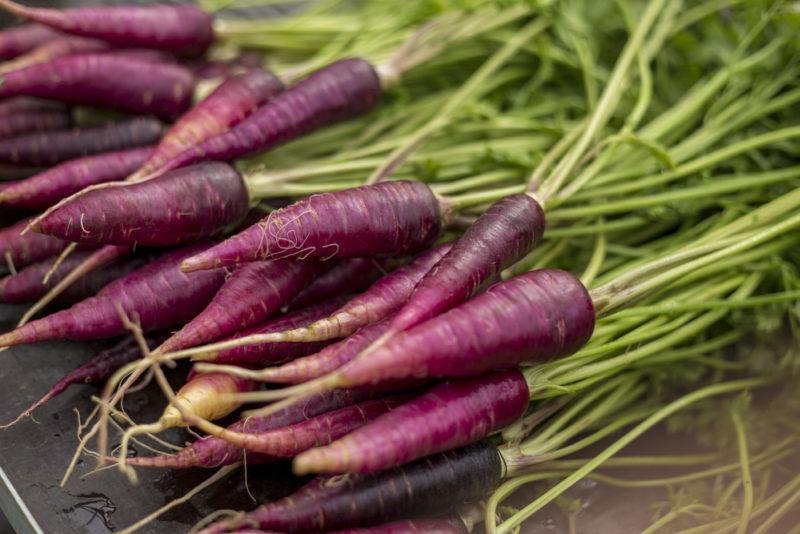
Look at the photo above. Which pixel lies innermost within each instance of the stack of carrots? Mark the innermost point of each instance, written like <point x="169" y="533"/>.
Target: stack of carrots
<point x="497" y="233"/>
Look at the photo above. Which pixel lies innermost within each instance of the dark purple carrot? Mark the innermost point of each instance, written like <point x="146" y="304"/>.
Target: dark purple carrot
<point x="386" y="218"/>
<point x="253" y="292"/>
<point x="21" y="39"/>
<point x="449" y="415"/>
<point x="120" y="82"/>
<point x="33" y="121"/>
<point x="27" y="104"/>
<point x="96" y="370"/>
<point x="228" y="105"/>
<point x="342" y="90"/>
<point x="159" y="295"/>
<point x="346" y="277"/>
<point x="53" y="49"/>
<point x="27" y="285"/>
<point x="46" y="188"/>
<point x="177" y="207"/>
<point x="181" y="29"/>
<point x="22" y="250"/>
<point x="428" y="487"/>
<point x="49" y="148"/>
<point x="212" y="452"/>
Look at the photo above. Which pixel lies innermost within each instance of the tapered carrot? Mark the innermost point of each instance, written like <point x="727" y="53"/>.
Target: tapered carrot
<point x="37" y="121"/>
<point x="346" y="277"/>
<point x="53" y="49"/>
<point x="22" y="250"/>
<point x="20" y="39"/>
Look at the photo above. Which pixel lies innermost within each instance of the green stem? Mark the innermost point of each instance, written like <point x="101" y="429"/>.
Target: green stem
<point x="674" y="307"/>
<point x="595" y="262"/>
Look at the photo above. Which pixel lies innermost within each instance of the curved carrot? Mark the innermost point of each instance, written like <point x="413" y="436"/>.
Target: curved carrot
<point x="20" y="39"/>
<point x="35" y="121"/>
<point x="182" y="28"/>
<point x="48" y="187"/>
<point x="120" y="82"/>
<point x="346" y="277"/>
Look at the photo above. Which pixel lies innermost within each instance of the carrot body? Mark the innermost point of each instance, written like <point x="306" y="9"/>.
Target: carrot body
<point x="500" y="237"/>
<point x="20" y="39"/>
<point x="22" y="250"/>
<point x="27" y="286"/>
<point x="212" y="451"/>
<point x="177" y="207"/>
<point x="206" y="395"/>
<point x="346" y="277"/>
<point x="53" y="49"/>
<point x="48" y="148"/>
<point x="228" y="105"/>
<point x="386" y="218"/>
<point x="249" y="296"/>
<point x="181" y="29"/>
<point x="159" y="295"/>
<point x="274" y="353"/>
<point x="45" y="189"/>
<point x="430" y="486"/>
<point x="27" y="104"/>
<point x="342" y="90"/>
<point x="34" y="121"/>
<point x="118" y="82"/>
<point x="538" y="315"/>
<point x="449" y="415"/>
<point x="383" y="298"/>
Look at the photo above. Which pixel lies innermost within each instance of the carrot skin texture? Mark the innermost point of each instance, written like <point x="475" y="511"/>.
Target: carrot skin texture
<point x="340" y="91"/>
<point x="46" y="188"/>
<point x="49" y="148"/>
<point x="27" y="286"/>
<point x="500" y="237"/>
<point x="159" y="295"/>
<point x="386" y="218"/>
<point x="349" y="276"/>
<point x="180" y="29"/>
<point x="23" y="250"/>
<point x="177" y="207"/>
<point x="538" y="315"/>
<point x="226" y="106"/>
<point x="120" y="82"/>
<point x="252" y="293"/>
<point x="450" y="415"/>
<point x="211" y="451"/>
<point x="20" y="39"/>
<point x="29" y="122"/>
<point x="412" y="490"/>
<point x="27" y="104"/>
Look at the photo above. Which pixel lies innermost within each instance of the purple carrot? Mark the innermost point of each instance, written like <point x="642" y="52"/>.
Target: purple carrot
<point x="48" y="148"/>
<point x="253" y="293"/>
<point x="177" y="207"/>
<point x="27" y="286"/>
<point x="273" y="353"/>
<point x="120" y="82"/>
<point x="431" y="486"/>
<point x="181" y="29"/>
<point x="22" y="250"/>
<point x="503" y="235"/>
<point x="33" y="121"/>
<point x="449" y="415"/>
<point x="212" y="451"/>
<point x="386" y="218"/>
<point x="159" y="295"/>
<point x="228" y="105"/>
<point x="20" y="39"/>
<point x="346" y="277"/>
<point x="96" y="370"/>
<point x="54" y="49"/>
<point x="27" y="104"/>
<point x="45" y="189"/>
<point x="340" y="91"/>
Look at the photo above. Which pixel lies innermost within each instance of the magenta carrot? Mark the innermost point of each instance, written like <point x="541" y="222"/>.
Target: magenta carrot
<point x="114" y="81"/>
<point x="212" y="451"/>
<point x="33" y="121"/>
<point x="449" y="415"/>
<point x="159" y="295"/>
<point x="181" y="28"/>
<point x="46" y="188"/>
<point x="49" y="148"/>
<point x="53" y="49"/>
<point x="431" y="486"/>
<point x="97" y="369"/>
<point x="228" y="105"/>
<point x="22" y="250"/>
<point x="386" y="218"/>
<point x="28" y="104"/>
<point x="346" y="277"/>
<point x="252" y="293"/>
<point x="27" y="286"/>
<point x="177" y="207"/>
<point x="21" y="39"/>
<point x="344" y="89"/>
